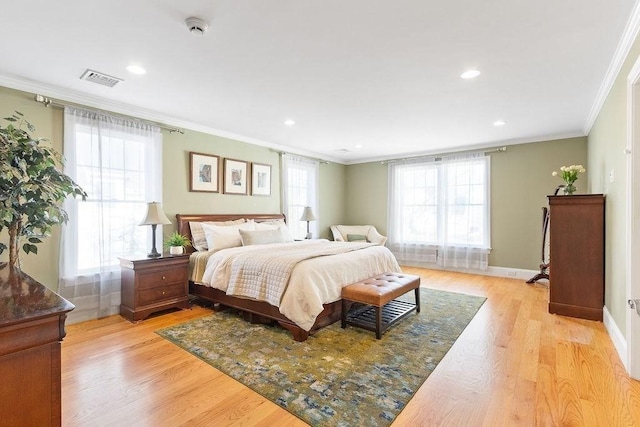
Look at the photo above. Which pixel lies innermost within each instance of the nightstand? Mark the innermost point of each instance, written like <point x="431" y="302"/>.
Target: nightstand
<point x="153" y="284"/>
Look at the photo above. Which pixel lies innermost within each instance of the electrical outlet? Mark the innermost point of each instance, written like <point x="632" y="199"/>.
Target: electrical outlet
<point x="612" y="176"/>
<point x="512" y="273"/>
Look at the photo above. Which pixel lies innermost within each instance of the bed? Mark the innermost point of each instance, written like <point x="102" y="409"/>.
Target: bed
<point x="328" y="305"/>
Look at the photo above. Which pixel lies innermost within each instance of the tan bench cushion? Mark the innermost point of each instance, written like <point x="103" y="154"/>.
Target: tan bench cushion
<point x="380" y="289"/>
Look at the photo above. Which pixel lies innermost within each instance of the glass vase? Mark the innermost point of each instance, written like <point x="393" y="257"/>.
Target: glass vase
<point x="569" y="189"/>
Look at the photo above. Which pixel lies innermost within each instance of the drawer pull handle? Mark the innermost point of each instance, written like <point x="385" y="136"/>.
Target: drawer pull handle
<point x="163" y="277"/>
<point x="162" y="292"/>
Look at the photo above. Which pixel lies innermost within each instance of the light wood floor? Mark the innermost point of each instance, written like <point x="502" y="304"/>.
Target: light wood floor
<point x="515" y="364"/>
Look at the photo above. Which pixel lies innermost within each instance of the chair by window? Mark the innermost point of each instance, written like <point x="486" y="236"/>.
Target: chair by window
<point x="354" y="233"/>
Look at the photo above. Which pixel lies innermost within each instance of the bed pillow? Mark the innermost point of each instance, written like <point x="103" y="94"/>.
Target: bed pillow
<point x="224" y="236"/>
<point x="198" y="239"/>
<point x="274" y="225"/>
<point x="266" y="226"/>
<point x="286" y="233"/>
<point x="261" y="237"/>
<point x="356" y="238"/>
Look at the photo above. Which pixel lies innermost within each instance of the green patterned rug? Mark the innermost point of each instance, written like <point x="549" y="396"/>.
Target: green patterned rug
<point x="338" y="377"/>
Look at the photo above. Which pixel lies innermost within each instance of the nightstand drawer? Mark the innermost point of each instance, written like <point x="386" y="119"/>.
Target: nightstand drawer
<point x="153" y="295"/>
<point x="161" y="278"/>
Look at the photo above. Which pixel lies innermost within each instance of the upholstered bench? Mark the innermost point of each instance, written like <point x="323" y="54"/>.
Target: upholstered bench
<point x="381" y="310"/>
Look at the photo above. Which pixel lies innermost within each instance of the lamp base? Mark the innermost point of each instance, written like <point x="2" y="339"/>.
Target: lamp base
<point x="154" y="252"/>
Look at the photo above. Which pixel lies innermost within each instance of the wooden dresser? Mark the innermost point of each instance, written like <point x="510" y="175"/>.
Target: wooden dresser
<point x="576" y="255"/>
<point x="31" y="328"/>
<point x="153" y="284"/>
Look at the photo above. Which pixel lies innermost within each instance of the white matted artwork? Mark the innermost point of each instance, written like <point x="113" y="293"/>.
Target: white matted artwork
<point x="235" y="176"/>
<point x="203" y="172"/>
<point x="260" y="179"/>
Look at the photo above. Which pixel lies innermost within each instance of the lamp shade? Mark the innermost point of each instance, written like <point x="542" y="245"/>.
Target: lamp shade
<point x="307" y="214"/>
<point x="155" y="215"/>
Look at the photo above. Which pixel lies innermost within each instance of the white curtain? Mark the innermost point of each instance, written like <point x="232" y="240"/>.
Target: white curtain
<point x="300" y="177"/>
<point x="439" y="211"/>
<point x="412" y="211"/>
<point x="118" y="162"/>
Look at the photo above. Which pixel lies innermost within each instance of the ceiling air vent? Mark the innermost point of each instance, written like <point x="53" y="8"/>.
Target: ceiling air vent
<point x="100" y="78"/>
<point x="342" y="150"/>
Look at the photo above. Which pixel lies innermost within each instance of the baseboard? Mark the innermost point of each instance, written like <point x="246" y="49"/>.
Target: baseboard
<point x="511" y="273"/>
<point x="619" y="341"/>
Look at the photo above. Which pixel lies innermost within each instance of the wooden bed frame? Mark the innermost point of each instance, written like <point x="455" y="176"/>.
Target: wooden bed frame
<point x="254" y="311"/>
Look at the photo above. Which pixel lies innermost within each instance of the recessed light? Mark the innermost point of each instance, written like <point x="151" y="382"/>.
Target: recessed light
<point x="289" y="122"/>
<point x="136" y="69"/>
<point x="499" y="123"/>
<point x="470" y="74"/>
<point x="359" y="146"/>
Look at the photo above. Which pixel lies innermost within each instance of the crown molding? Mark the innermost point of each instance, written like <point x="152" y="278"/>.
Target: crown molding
<point x="83" y="100"/>
<point x="476" y="147"/>
<point x="624" y="46"/>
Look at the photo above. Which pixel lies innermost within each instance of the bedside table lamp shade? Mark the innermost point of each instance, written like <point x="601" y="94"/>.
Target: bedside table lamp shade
<point x="154" y="217"/>
<point x="307" y="215"/>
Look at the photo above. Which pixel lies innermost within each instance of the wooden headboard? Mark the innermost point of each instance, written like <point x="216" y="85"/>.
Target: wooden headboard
<point x="184" y="219"/>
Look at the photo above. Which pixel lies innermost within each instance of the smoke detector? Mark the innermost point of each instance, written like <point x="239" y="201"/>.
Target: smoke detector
<point x="196" y="26"/>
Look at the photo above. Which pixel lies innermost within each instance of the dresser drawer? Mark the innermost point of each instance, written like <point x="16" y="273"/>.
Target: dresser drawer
<point x="150" y="296"/>
<point x="162" y="278"/>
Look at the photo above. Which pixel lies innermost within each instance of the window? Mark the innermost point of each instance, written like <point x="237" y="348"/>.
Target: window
<point x="439" y="211"/>
<point x="118" y="162"/>
<point x="299" y="189"/>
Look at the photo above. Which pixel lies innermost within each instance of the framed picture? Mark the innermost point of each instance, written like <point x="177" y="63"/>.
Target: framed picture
<point x="235" y="176"/>
<point x="260" y="179"/>
<point x="203" y="171"/>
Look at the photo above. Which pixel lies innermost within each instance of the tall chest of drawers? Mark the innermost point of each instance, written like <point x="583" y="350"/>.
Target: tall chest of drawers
<point x="576" y="255"/>
<point x="153" y="284"/>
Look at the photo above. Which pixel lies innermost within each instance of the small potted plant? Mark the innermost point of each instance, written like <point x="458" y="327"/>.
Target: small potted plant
<point x="176" y="243"/>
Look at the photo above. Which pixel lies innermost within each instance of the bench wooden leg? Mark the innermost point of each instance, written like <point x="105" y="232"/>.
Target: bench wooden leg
<point x="418" y="300"/>
<point x="378" y="321"/>
<point x="344" y="314"/>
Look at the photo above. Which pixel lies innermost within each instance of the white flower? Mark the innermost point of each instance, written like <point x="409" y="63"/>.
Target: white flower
<point x="554" y="173"/>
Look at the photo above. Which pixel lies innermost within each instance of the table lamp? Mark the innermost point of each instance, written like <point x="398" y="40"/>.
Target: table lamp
<point x="307" y="215"/>
<point x="154" y="217"/>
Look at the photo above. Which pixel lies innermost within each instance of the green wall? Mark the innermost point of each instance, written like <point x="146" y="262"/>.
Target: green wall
<point x="520" y="182"/>
<point x="607" y="142"/>
<point x="355" y="194"/>
<point x="176" y="195"/>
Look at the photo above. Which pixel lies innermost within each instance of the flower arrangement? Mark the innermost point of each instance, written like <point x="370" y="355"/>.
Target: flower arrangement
<point x="569" y="175"/>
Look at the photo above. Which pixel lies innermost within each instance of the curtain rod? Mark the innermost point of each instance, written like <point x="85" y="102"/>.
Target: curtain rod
<point x="48" y="102"/>
<point x="439" y="156"/>
<point x="326" y="162"/>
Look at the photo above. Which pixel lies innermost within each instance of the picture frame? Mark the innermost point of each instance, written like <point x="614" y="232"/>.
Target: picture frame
<point x="203" y="172"/>
<point x="260" y="179"/>
<point x="235" y="176"/>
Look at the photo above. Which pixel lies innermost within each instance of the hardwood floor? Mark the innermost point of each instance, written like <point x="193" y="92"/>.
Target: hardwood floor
<point x="515" y="364"/>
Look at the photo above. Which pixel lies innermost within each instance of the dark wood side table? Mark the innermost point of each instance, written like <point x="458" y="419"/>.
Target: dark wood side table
<point x="31" y="328"/>
<point x="153" y="284"/>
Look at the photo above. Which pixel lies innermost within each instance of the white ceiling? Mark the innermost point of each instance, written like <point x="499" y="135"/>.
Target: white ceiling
<point x="381" y="74"/>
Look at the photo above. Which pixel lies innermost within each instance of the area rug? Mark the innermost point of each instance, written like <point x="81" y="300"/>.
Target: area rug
<point x="338" y="377"/>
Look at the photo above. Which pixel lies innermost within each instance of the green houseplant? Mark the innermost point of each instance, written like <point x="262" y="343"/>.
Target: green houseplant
<point x="176" y="243"/>
<point x="32" y="188"/>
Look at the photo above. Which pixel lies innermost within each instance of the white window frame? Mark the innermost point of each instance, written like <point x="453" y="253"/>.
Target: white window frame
<point x="443" y="193"/>
<point x="300" y="180"/>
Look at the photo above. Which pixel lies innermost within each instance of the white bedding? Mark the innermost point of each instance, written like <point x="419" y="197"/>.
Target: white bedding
<point x="314" y="281"/>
